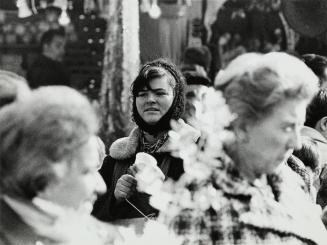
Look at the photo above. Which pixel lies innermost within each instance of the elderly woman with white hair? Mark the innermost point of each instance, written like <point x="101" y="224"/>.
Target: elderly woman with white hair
<point x="12" y="87"/>
<point x="49" y="176"/>
<point x="262" y="199"/>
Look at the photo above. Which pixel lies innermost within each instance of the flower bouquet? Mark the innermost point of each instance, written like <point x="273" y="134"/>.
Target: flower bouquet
<point x="193" y="192"/>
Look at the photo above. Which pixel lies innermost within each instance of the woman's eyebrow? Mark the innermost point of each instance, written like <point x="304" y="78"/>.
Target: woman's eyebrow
<point x="158" y="89"/>
<point x="153" y="90"/>
<point x="143" y="90"/>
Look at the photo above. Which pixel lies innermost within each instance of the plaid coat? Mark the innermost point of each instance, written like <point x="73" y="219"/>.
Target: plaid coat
<point x="276" y="211"/>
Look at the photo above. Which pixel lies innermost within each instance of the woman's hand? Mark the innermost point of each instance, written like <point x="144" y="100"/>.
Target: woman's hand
<point x="132" y="170"/>
<point x="125" y="187"/>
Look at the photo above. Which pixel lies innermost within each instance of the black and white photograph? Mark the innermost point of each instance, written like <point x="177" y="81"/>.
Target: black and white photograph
<point x="163" y="122"/>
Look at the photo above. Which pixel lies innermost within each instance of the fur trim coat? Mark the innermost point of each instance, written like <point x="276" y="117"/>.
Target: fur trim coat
<point x="121" y="156"/>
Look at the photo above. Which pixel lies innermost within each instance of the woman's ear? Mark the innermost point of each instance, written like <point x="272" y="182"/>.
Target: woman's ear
<point x="323" y="124"/>
<point x="241" y="131"/>
<point x="52" y="179"/>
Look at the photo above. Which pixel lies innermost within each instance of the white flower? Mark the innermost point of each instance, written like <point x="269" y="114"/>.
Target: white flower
<point x="193" y="191"/>
<point x="198" y="171"/>
<point x="149" y="180"/>
<point x="149" y="176"/>
<point x="161" y="201"/>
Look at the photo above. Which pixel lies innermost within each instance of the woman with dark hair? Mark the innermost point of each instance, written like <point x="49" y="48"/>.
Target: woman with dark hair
<point x="318" y="64"/>
<point x="158" y="97"/>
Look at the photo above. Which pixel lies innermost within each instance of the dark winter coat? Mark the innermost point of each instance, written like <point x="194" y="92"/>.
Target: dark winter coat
<point x="121" y="157"/>
<point x="45" y="71"/>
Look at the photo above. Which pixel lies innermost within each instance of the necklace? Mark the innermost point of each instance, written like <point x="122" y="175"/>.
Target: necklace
<point x="151" y="148"/>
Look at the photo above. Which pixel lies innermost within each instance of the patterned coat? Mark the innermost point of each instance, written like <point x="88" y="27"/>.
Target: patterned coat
<point x="274" y="211"/>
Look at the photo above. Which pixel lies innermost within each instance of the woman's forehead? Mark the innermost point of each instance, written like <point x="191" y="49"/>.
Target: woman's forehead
<point x="164" y="82"/>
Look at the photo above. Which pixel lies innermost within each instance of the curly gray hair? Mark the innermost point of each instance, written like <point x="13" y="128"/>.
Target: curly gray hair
<point x="254" y="83"/>
<point x="40" y="134"/>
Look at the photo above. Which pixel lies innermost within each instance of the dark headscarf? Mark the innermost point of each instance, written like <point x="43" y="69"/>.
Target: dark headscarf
<point x="157" y="69"/>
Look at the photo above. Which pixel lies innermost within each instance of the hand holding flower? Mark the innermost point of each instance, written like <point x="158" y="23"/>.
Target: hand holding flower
<point x="125" y="187"/>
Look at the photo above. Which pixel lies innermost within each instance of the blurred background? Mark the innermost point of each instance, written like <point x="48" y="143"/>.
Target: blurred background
<point x="107" y="40"/>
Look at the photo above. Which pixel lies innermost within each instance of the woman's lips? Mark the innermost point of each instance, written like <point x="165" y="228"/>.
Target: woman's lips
<point x="151" y="109"/>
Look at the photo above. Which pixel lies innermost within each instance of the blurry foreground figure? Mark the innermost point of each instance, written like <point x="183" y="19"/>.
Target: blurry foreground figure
<point x="261" y="200"/>
<point x="49" y="179"/>
<point x="12" y="87"/>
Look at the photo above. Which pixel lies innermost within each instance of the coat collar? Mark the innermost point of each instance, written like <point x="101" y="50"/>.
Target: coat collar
<point x="48" y="223"/>
<point x="314" y="134"/>
<point x="12" y="227"/>
<point x="126" y="147"/>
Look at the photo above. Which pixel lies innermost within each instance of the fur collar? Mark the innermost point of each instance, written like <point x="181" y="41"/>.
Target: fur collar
<point x="126" y="147"/>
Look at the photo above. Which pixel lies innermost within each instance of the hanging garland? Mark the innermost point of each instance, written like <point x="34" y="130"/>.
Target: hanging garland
<point x="27" y="8"/>
<point x="265" y="5"/>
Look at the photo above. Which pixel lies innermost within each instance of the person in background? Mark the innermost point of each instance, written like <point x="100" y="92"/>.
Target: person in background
<point x="12" y="87"/>
<point x="49" y="176"/>
<point x="296" y="164"/>
<point x="48" y="68"/>
<point x="196" y="56"/>
<point x="196" y="89"/>
<point x="310" y="157"/>
<point x="318" y="64"/>
<point x="195" y="65"/>
<point x="316" y="129"/>
<point x="261" y="200"/>
<point x="158" y="97"/>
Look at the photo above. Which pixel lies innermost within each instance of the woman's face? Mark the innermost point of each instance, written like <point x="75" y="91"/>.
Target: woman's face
<point x="153" y="104"/>
<point x="271" y="141"/>
<point x="82" y="183"/>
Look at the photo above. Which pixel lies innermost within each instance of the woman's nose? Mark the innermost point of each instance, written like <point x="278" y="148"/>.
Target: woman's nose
<point x="100" y="184"/>
<point x="151" y="97"/>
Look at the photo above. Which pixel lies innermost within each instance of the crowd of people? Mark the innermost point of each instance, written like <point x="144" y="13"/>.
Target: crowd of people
<point x="272" y="186"/>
